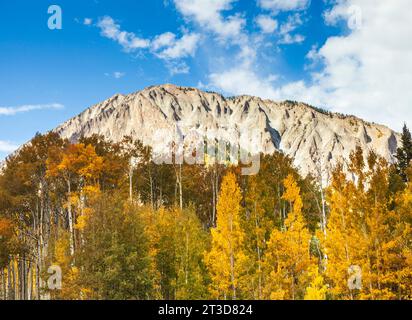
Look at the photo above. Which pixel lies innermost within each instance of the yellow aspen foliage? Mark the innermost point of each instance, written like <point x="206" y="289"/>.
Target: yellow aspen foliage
<point x="176" y="248"/>
<point x="288" y="252"/>
<point x="155" y="223"/>
<point x="366" y="241"/>
<point x="317" y="288"/>
<point x="400" y="247"/>
<point x="70" y="273"/>
<point x="85" y="200"/>
<point x="226" y="258"/>
<point x="258" y="225"/>
<point x="344" y="246"/>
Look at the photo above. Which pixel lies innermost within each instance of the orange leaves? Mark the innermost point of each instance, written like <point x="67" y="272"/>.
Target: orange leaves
<point x="6" y="228"/>
<point x="6" y="235"/>
<point x="77" y="160"/>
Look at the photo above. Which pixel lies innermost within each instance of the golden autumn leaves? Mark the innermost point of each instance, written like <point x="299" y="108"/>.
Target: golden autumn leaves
<point x="226" y="259"/>
<point x="287" y="256"/>
<point x="195" y="232"/>
<point x="290" y="262"/>
<point x="250" y="256"/>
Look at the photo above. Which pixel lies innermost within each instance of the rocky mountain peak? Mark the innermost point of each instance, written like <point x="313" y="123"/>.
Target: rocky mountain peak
<point x="311" y="136"/>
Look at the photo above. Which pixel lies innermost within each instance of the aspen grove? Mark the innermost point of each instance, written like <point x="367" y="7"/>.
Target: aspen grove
<point x="122" y="229"/>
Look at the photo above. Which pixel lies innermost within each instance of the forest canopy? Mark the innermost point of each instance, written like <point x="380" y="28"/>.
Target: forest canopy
<point x="119" y="229"/>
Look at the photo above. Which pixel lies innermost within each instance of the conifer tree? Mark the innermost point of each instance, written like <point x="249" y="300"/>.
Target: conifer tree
<point x="404" y="153"/>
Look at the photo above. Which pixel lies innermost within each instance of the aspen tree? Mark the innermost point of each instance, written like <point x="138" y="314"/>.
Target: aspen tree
<point x="288" y="252"/>
<point x="226" y="258"/>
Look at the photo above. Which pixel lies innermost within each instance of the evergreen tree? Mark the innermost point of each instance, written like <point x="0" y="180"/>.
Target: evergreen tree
<point x="404" y="153"/>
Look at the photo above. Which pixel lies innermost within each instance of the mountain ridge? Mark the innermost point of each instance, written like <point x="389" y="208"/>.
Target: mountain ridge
<point x="311" y="136"/>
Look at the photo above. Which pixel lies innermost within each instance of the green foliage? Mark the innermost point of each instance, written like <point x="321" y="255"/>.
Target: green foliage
<point x="114" y="260"/>
<point x="404" y="153"/>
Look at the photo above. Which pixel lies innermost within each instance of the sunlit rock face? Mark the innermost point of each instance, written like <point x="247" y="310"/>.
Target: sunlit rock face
<point x="313" y="138"/>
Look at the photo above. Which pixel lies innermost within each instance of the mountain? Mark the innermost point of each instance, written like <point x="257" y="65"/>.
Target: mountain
<point x="314" y="138"/>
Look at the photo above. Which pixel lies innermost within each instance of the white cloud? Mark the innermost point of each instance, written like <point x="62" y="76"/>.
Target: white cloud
<point x="176" y="49"/>
<point x="7" y="146"/>
<point x="128" y="40"/>
<point x="208" y="14"/>
<point x="292" y="23"/>
<point x="243" y="80"/>
<point x="165" y="46"/>
<point x="11" y="111"/>
<point x="291" y="39"/>
<point x="118" y="74"/>
<point x="284" y="5"/>
<point x="340" y="11"/>
<point x="87" y="21"/>
<point x="177" y="67"/>
<point x="166" y="39"/>
<point x="227" y="28"/>
<point x="266" y="23"/>
<point x="367" y="72"/>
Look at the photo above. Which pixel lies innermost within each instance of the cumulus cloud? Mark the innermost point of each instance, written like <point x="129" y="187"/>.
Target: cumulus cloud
<point x="367" y="72"/>
<point x="176" y="49"/>
<point x="266" y="23"/>
<point x="283" y="5"/>
<point x="243" y="80"/>
<point x="212" y="18"/>
<point x="11" y="111"/>
<point x="172" y="50"/>
<point x="208" y="15"/>
<point x="128" y="40"/>
<point x="166" y="39"/>
<point x="165" y="46"/>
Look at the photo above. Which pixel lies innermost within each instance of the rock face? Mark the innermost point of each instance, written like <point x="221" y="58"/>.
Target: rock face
<point x="313" y="138"/>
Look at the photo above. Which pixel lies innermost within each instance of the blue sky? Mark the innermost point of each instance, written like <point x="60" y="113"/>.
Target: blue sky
<point x="350" y="56"/>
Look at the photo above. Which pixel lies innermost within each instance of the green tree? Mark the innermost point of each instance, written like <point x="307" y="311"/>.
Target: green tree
<point x="404" y="153"/>
<point x="114" y="259"/>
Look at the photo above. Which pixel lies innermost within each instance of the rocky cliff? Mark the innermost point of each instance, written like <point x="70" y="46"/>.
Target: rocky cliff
<point x="312" y="137"/>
